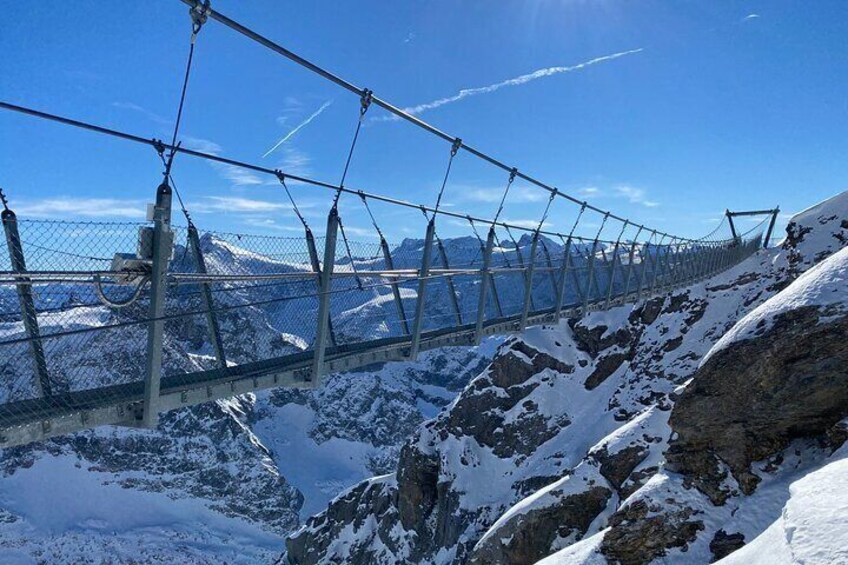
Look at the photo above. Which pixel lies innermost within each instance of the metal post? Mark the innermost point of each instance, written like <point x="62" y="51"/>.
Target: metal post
<point x="563" y="273"/>
<point x="732" y="226"/>
<point x="644" y="262"/>
<point x="389" y="262"/>
<point x="451" y="288"/>
<point x="658" y="262"/>
<point x="484" y="286"/>
<point x="611" y="283"/>
<point x="325" y="286"/>
<point x="520" y="258"/>
<point x="163" y="241"/>
<point x="630" y="256"/>
<point x="528" y="281"/>
<point x="27" y="303"/>
<point x="767" y="240"/>
<point x="417" y="324"/>
<point x="316" y="268"/>
<point x="590" y="275"/>
<point x="206" y="295"/>
<point x="550" y="265"/>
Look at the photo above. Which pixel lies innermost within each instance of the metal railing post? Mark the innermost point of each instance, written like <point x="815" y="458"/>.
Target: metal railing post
<point x="206" y="296"/>
<point x="484" y="286"/>
<point x="324" y="288"/>
<point x="590" y="275"/>
<point x="451" y="287"/>
<point x="611" y="283"/>
<point x="390" y="265"/>
<point x="644" y="262"/>
<point x="630" y="255"/>
<point x="563" y="273"/>
<point x="658" y="264"/>
<point x="163" y="241"/>
<point x="550" y="266"/>
<point x="316" y="268"/>
<point x="27" y="303"/>
<point x="424" y="273"/>
<point x="767" y="240"/>
<point x="528" y="282"/>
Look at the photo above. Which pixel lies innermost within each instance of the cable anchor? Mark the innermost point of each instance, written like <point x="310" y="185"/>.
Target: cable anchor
<point x="457" y="143"/>
<point x="199" y="14"/>
<point x="365" y="101"/>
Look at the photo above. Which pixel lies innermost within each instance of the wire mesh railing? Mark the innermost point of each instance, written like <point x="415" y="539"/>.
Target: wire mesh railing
<point x="116" y="322"/>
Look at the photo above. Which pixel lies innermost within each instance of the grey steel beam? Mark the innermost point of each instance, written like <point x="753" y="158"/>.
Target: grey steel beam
<point x="484" y="287"/>
<point x="206" y="297"/>
<point x="316" y="268"/>
<point x="42" y="384"/>
<point x="590" y="274"/>
<point x="426" y="258"/>
<point x="630" y="256"/>
<point x="389" y="262"/>
<point x="449" y="279"/>
<point x="767" y="240"/>
<point x="528" y="282"/>
<point x="730" y="215"/>
<point x="323" y="322"/>
<point x="163" y="241"/>
<point x="563" y="273"/>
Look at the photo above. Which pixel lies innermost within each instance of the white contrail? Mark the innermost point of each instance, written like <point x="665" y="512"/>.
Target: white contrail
<point x="300" y="126"/>
<point x="517" y="81"/>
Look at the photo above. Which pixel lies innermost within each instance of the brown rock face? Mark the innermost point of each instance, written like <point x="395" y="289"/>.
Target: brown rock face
<point x="751" y="399"/>
<point x="529" y="537"/>
<point x="723" y="544"/>
<point x="636" y="538"/>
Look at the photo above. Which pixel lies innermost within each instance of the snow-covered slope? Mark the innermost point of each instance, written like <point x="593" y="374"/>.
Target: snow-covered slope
<point x="563" y="439"/>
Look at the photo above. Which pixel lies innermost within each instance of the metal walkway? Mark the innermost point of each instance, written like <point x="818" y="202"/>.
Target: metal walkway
<point x="116" y="323"/>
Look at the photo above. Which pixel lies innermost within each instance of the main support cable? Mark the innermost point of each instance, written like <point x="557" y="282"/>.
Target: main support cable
<point x="152" y="142"/>
<point x="400" y="113"/>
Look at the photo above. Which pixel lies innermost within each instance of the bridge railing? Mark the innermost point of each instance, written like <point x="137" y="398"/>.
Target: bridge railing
<point x="186" y="316"/>
<point x="74" y="339"/>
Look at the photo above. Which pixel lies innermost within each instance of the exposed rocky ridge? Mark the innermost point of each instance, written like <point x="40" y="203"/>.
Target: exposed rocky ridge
<point x="469" y="488"/>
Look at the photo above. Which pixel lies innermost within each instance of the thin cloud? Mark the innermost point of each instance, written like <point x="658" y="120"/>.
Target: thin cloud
<point x="517" y="81"/>
<point x="529" y="224"/>
<point x="300" y="126"/>
<point x="269" y="223"/>
<point x="237" y="204"/>
<point x="635" y="196"/>
<point x="493" y="195"/>
<point x="152" y="116"/>
<point x="589" y="192"/>
<point x="83" y="207"/>
<point x="750" y="17"/>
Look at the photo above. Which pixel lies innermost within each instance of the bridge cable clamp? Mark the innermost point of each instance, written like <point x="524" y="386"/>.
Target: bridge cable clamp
<point x="199" y="14"/>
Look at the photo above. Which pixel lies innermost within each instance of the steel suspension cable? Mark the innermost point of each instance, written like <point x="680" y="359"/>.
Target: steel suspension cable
<point x="152" y="142"/>
<point x="400" y="113"/>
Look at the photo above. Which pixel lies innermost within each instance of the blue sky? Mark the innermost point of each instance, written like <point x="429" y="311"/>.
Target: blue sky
<point x="688" y="107"/>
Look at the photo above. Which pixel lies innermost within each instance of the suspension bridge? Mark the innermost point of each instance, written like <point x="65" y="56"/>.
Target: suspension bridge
<point x="116" y="323"/>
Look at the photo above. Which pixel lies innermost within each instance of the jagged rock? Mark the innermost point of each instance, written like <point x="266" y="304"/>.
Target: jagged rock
<point x="616" y="468"/>
<point x="751" y="399"/>
<point x="528" y="537"/>
<point x="723" y="544"/>
<point x="635" y="537"/>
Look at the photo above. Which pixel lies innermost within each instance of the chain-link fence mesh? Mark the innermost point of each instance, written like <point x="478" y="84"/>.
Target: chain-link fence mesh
<point x="247" y="298"/>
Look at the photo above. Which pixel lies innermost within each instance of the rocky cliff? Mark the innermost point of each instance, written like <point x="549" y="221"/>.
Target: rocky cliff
<point x="624" y="436"/>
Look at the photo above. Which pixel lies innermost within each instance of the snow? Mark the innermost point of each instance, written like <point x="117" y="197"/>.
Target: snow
<point x="318" y="470"/>
<point x="584" y="551"/>
<point x="60" y="505"/>
<point x="812" y="528"/>
<point x="824" y="286"/>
